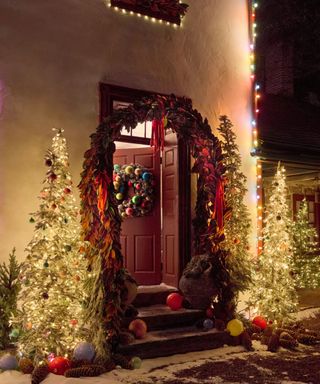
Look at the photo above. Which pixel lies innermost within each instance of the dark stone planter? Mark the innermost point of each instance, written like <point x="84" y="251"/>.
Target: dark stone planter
<point x="197" y="284"/>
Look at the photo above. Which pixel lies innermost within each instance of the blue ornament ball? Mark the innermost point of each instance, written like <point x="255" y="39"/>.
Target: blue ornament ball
<point x="136" y="362"/>
<point x="208" y="324"/>
<point x="8" y="362"/>
<point x="146" y="176"/>
<point x="84" y="351"/>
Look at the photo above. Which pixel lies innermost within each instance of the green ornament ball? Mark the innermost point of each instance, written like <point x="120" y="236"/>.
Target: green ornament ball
<point x="117" y="168"/>
<point x="68" y="248"/>
<point x="31" y="220"/>
<point x="14" y="333"/>
<point x="129" y="170"/>
<point x="136" y="362"/>
<point x="136" y="199"/>
<point x="46" y="264"/>
<point x="119" y="196"/>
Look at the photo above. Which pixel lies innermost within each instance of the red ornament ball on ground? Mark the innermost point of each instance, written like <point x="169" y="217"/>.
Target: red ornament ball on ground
<point x="260" y="321"/>
<point x="209" y="313"/>
<point x="59" y="365"/>
<point x="174" y="301"/>
<point x="139" y="328"/>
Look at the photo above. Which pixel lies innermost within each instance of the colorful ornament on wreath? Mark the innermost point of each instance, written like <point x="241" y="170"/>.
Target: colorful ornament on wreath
<point x="134" y="190"/>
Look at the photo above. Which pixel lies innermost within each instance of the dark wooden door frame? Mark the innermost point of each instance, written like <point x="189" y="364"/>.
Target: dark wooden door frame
<point x="109" y="93"/>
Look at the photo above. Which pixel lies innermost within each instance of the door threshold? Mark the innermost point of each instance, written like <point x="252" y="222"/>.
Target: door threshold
<point x="156" y="288"/>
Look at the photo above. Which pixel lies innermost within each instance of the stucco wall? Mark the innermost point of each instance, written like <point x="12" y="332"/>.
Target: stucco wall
<point x="54" y="53"/>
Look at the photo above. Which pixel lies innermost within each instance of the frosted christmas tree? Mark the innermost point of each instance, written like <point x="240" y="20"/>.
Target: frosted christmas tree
<point x="306" y="250"/>
<point x="237" y="227"/>
<point x="273" y="292"/>
<point x="52" y="293"/>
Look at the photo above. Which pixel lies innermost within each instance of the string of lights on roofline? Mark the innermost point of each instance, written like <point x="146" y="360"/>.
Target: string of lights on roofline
<point x="145" y="17"/>
<point x="254" y="124"/>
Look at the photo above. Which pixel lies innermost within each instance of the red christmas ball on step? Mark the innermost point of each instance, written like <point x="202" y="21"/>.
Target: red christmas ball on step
<point x="209" y="313"/>
<point x="139" y="328"/>
<point x="59" y="365"/>
<point x="260" y="321"/>
<point x="174" y="301"/>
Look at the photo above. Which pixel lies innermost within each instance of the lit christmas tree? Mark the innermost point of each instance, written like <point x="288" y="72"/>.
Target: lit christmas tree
<point x="306" y="250"/>
<point x="273" y="292"/>
<point x="237" y="227"/>
<point x="52" y="277"/>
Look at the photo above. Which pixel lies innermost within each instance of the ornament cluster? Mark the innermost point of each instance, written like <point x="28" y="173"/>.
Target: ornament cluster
<point x="134" y="190"/>
<point x="82" y="363"/>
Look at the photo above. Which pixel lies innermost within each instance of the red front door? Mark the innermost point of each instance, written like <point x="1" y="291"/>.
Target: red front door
<point x="141" y="236"/>
<point x="170" y="224"/>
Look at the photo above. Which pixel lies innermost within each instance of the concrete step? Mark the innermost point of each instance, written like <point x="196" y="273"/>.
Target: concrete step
<point x="162" y="317"/>
<point x="175" y="340"/>
<point x="152" y="294"/>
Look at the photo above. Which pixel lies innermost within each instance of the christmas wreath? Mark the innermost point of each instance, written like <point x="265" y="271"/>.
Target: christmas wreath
<point x="134" y="178"/>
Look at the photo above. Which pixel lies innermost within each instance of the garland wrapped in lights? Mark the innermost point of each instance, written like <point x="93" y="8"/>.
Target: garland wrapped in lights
<point x="171" y="11"/>
<point x="101" y="220"/>
<point x="136" y="177"/>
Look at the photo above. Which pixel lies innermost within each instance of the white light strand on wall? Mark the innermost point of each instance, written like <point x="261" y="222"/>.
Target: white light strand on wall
<point x="145" y="17"/>
<point x="255" y="107"/>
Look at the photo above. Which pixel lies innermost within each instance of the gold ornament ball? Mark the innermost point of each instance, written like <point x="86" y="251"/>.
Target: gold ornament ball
<point x="26" y="365"/>
<point x="28" y="326"/>
<point x="129" y="170"/>
<point x="119" y="196"/>
<point x="235" y="327"/>
<point x="116" y="185"/>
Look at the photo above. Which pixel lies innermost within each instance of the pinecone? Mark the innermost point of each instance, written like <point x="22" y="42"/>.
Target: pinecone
<point x="256" y="336"/>
<point x="273" y="344"/>
<point x="126" y="338"/>
<point x="39" y="374"/>
<point x="268" y="331"/>
<point x="285" y="330"/>
<point x="80" y="363"/>
<point x="246" y="341"/>
<point x="307" y="339"/>
<point x="26" y="365"/>
<point x="310" y="333"/>
<point x="287" y="341"/>
<point x="122" y="361"/>
<point x="265" y="339"/>
<point x="86" y="371"/>
<point x="109" y="365"/>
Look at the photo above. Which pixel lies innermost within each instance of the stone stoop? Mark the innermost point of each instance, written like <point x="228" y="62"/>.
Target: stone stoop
<point x="169" y="332"/>
<point x="152" y="294"/>
<point x="172" y="341"/>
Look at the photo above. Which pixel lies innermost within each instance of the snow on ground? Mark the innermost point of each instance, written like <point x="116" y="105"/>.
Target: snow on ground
<point x="154" y="371"/>
<point x="164" y="369"/>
